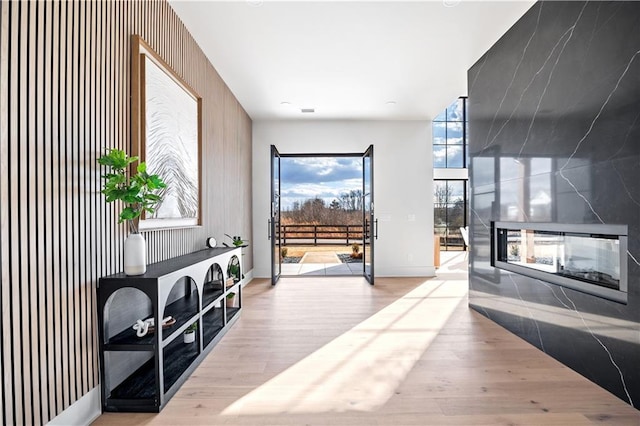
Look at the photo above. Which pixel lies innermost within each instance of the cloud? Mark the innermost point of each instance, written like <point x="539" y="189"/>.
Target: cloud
<point x="450" y="155"/>
<point x="297" y="170"/>
<point x="303" y="178"/>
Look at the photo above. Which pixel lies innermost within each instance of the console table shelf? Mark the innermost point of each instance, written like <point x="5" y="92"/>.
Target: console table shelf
<point x="141" y="374"/>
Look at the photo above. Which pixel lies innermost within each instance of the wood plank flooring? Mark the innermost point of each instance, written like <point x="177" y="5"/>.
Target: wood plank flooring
<point x="408" y="351"/>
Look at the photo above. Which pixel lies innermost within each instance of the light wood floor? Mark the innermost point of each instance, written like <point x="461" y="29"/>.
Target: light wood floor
<point x="336" y="351"/>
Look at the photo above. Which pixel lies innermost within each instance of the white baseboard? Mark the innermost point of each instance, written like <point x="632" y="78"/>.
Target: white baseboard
<point x="247" y="278"/>
<point x="82" y="412"/>
<point x="422" y="271"/>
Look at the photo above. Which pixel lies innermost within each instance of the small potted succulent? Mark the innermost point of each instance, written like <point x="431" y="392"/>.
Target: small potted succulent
<point x="231" y="300"/>
<point x="189" y="335"/>
<point x="237" y="241"/>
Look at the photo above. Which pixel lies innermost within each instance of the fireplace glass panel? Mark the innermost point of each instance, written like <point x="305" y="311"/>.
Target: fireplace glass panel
<point x="565" y="257"/>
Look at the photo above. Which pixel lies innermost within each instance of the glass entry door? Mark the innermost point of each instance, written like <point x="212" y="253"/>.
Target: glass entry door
<point x="370" y="224"/>
<point x="274" y="221"/>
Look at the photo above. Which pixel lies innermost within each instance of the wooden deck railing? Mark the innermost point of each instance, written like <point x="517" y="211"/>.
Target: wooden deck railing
<point x="320" y="234"/>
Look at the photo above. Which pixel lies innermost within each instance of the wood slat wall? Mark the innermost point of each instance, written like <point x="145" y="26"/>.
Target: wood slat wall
<point x="64" y="97"/>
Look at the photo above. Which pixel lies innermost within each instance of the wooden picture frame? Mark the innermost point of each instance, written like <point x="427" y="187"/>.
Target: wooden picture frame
<point x="166" y="133"/>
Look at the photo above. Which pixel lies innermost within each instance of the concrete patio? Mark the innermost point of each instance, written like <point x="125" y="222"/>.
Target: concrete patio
<point x="321" y="263"/>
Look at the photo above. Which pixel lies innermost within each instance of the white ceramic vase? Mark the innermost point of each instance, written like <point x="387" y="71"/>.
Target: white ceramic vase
<point x="135" y="255"/>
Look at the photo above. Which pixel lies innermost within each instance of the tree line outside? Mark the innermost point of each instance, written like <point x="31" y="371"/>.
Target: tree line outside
<point x="449" y="213"/>
<point x="341" y="211"/>
<point x="345" y="210"/>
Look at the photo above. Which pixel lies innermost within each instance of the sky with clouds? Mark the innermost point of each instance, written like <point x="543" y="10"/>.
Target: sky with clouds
<point x="448" y="137"/>
<point x="302" y="178"/>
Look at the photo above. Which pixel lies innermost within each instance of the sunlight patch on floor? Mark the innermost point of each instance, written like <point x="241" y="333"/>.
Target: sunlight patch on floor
<point x="361" y="369"/>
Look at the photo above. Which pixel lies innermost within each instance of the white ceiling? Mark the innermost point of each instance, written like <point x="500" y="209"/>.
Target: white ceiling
<point x="346" y="59"/>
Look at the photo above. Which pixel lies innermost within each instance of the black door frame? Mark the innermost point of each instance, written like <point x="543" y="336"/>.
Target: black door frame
<point x="369" y="221"/>
<point x="274" y="228"/>
<point x="274" y="219"/>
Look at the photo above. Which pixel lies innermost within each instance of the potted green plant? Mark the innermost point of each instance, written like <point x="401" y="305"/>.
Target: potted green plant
<point x="231" y="299"/>
<point x="139" y="191"/>
<point x="237" y="240"/>
<point x="189" y="335"/>
<point x="233" y="271"/>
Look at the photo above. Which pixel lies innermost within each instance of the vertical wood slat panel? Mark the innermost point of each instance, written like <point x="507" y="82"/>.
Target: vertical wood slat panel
<point x="81" y="174"/>
<point x="93" y="186"/>
<point x="62" y="180"/>
<point x="47" y="75"/>
<point x="21" y="346"/>
<point x="64" y="97"/>
<point x="14" y="225"/>
<point x="71" y="201"/>
<point x="5" y="280"/>
<point x="28" y="177"/>
<point x="54" y="229"/>
<point x="41" y="281"/>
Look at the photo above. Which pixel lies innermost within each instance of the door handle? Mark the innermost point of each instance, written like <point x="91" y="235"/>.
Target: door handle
<point x="268" y="229"/>
<point x="376" y="232"/>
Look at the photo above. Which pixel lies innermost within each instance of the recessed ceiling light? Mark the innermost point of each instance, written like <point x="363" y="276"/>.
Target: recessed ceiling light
<point x="255" y="3"/>
<point x="450" y="3"/>
<point x="391" y="103"/>
<point x="285" y="103"/>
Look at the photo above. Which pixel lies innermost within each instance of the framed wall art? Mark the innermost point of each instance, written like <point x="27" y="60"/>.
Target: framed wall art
<point x="166" y="121"/>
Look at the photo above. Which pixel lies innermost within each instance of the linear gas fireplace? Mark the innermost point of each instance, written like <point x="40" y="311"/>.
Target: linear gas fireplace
<point x="588" y="258"/>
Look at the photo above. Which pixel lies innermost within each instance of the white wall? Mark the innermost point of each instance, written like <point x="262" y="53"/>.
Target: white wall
<point x="403" y="184"/>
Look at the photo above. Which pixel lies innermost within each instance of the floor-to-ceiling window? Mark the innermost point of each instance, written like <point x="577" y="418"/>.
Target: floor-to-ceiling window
<point x="450" y="159"/>
<point x="450" y="212"/>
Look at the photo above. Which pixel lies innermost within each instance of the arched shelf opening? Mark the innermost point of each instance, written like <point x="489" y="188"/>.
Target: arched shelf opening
<point x="182" y="304"/>
<point x="213" y="286"/>
<point x="234" y="270"/>
<point x="121" y="311"/>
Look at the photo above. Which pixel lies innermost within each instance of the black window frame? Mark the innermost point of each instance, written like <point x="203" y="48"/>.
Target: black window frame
<point x="465" y="159"/>
<point x="446" y="242"/>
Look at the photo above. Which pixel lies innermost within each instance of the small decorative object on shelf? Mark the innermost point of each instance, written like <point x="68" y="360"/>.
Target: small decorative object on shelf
<point x="145" y="327"/>
<point x="231" y="299"/>
<point x="139" y="193"/>
<point x="233" y="270"/>
<point x="190" y="333"/>
<point x="237" y="241"/>
<point x="211" y="242"/>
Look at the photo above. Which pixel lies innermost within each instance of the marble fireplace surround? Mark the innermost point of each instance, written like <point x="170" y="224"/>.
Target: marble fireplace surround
<point x="554" y="125"/>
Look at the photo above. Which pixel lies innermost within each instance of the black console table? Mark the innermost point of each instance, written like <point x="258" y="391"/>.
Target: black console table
<point x="141" y="374"/>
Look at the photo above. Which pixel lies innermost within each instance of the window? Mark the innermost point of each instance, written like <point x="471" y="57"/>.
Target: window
<point x="450" y="188"/>
<point x="450" y="212"/>
<point x="450" y="136"/>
